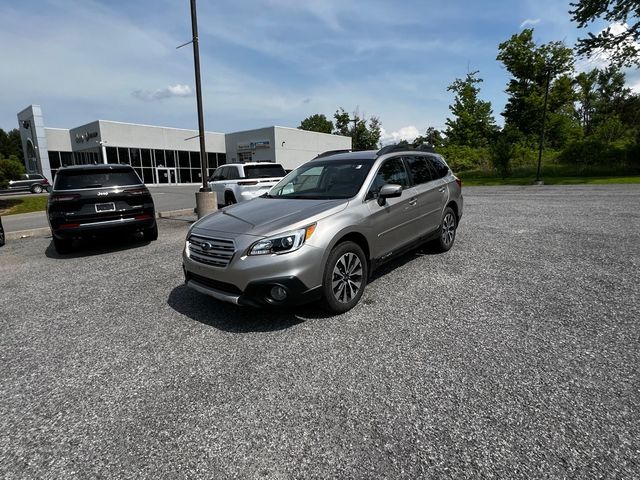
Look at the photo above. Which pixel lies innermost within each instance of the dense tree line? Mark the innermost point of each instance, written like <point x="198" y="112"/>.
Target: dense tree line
<point x="11" y="158"/>
<point x="364" y="133"/>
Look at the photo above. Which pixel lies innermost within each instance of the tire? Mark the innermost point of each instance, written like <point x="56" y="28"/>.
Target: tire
<point x="62" y="246"/>
<point x="151" y="234"/>
<point x="36" y="189"/>
<point x="346" y="268"/>
<point x="448" y="227"/>
<point x="1" y="237"/>
<point x="229" y="199"/>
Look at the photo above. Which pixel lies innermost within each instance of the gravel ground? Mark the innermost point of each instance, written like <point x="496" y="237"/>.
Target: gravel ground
<point x="515" y="355"/>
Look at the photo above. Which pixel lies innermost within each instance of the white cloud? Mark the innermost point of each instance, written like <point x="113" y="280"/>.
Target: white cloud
<point x="530" y="21"/>
<point x="409" y="133"/>
<point x="167" y="92"/>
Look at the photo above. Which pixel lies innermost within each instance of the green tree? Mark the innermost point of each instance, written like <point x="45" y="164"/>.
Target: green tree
<point x="620" y="44"/>
<point x="317" y="123"/>
<point x="365" y="134"/>
<point x="11" y="144"/>
<point x="528" y="65"/>
<point x="587" y="97"/>
<point x="432" y="137"/>
<point x="472" y="123"/>
<point x="10" y="169"/>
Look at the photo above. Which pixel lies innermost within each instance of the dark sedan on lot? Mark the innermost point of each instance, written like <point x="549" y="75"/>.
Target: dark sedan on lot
<point x="90" y="200"/>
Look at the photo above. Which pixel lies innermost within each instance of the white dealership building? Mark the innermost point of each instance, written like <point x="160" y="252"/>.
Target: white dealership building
<point x="162" y="154"/>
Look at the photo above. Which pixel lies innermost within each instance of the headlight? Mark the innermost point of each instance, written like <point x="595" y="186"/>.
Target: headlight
<point x="282" y="243"/>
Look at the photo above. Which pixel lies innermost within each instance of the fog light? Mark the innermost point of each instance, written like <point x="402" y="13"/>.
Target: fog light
<point x="278" y="293"/>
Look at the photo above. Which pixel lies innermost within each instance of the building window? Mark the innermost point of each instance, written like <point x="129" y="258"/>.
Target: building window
<point x="147" y="175"/>
<point x="159" y="154"/>
<point x="112" y="155"/>
<point x="54" y="159"/>
<point x="183" y="160"/>
<point x="146" y="158"/>
<point x="123" y="156"/>
<point x="222" y="158"/>
<point x="169" y="156"/>
<point x="212" y="160"/>
<point x="134" y="153"/>
<point x="66" y="158"/>
<point x="185" y="175"/>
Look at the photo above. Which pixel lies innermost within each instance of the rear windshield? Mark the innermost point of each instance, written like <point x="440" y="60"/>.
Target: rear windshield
<point x="264" y="171"/>
<point x="78" y="179"/>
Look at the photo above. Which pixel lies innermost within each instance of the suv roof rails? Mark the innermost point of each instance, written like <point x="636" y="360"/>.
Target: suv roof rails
<point x="403" y="147"/>
<point x="332" y="152"/>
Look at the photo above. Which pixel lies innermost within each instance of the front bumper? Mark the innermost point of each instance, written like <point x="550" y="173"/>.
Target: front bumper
<point x="247" y="280"/>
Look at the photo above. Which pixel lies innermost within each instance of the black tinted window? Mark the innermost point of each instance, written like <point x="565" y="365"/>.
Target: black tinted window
<point x="232" y="173"/>
<point x="392" y="171"/>
<point x="95" y="178"/>
<point x="420" y="170"/>
<point x="439" y="166"/>
<point x="263" y="171"/>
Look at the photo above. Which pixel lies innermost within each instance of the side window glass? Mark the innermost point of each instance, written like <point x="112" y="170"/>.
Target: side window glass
<point x="232" y="173"/>
<point x="420" y="170"/>
<point x="439" y="166"/>
<point x="391" y="171"/>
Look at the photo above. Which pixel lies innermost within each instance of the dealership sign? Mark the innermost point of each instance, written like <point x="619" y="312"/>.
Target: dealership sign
<point x="86" y="136"/>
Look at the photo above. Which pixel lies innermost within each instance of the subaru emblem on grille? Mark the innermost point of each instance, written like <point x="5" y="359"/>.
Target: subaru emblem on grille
<point x="206" y="246"/>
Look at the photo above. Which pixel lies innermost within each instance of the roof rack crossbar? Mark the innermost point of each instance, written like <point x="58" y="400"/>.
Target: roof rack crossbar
<point x="332" y="152"/>
<point x="400" y="147"/>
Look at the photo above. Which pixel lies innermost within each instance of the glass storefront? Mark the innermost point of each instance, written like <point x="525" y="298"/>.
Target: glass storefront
<point x="151" y="164"/>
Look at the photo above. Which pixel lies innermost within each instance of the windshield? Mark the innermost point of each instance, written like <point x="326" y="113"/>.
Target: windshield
<point x="263" y="171"/>
<point x="323" y="180"/>
<point x="95" y="178"/>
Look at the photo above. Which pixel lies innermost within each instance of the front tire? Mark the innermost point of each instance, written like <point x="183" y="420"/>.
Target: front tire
<point x="345" y="276"/>
<point x="447" y="233"/>
<point x="229" y="199"/>
<point x="36" y="189"/>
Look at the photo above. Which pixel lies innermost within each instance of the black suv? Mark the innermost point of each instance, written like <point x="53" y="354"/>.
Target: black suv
<point x="89" y="200"/>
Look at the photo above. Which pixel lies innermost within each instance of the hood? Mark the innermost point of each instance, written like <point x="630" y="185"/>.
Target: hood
<point x="265" y="216"/>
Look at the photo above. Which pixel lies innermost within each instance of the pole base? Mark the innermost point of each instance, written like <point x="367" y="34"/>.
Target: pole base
<point x="206" y="203"/>
<point x="538" y="182"/>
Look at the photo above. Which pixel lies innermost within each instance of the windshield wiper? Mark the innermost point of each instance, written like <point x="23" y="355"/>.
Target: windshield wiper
<point x="266" y="195"/>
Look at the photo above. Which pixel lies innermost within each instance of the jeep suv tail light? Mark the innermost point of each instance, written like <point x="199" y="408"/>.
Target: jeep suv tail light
<point x="64" y="198"/>
<point x="136" y="191"/>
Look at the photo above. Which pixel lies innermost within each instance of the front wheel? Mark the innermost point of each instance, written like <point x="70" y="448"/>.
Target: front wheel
<point x="448" y="227"/>
<point x="229" y="199"/>
<point x="345" y="276"/>
<point x="36" y="189"/>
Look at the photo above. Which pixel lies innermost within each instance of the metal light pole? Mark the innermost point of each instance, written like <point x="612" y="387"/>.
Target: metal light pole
<point x="206" y="201"/>
<point x="538" y="181"/>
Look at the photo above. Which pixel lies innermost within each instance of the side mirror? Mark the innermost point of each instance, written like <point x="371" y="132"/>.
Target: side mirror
<point x="390" y="190"/>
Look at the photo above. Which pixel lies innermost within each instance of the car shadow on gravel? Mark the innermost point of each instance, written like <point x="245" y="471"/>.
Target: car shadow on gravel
<point x="397" y="262"/>
<point x="236" y="319"/>
<point x="98" y="246"/>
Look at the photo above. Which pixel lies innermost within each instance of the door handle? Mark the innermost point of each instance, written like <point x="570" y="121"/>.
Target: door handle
<point x="442" y="189"/>
<point x="413" y="202"/>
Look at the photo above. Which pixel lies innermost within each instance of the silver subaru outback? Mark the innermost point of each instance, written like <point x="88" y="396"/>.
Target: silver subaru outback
<point x="322" y="230"/>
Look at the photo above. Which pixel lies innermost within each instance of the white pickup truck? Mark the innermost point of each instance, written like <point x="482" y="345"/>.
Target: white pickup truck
<point x="238" y="182"/>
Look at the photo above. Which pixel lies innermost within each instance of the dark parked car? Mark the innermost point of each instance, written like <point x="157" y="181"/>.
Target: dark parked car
<point x="30" y="182"/>
<point x="1" y="233"/>
<point x="90" y="200"/>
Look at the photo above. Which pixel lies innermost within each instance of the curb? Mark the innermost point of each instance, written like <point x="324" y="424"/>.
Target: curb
<point x="46" y="231"/>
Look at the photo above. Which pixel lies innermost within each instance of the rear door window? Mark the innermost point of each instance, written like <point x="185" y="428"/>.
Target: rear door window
<point x="95" y="178"/>
<point x="438" y="166"/>
<point x="232" y="173"/>
<point x="420" y="170"/>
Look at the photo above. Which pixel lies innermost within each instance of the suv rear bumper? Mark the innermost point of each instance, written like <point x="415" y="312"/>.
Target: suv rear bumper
<point x="91" y="228"/>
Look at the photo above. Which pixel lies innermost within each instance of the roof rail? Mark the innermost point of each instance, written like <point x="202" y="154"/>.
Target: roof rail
<point x="403" y="147"/>
<point x="332" y="152"/>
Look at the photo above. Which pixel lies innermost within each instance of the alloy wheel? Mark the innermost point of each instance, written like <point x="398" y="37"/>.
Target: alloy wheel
<point x="346" y="279"/>
<point x="448" y="228"/>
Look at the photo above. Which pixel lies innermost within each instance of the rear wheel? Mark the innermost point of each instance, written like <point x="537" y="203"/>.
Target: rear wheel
<point x="229" y="199"/>
<point x="36" y="189"/>
<point x="448" y="227"/>
<point x="62" y="245"/>
<point x="345" y="276"/>
<point x="151" y="234"/>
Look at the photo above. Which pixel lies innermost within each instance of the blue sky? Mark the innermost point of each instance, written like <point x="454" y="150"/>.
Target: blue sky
<point x="264" y="62"/>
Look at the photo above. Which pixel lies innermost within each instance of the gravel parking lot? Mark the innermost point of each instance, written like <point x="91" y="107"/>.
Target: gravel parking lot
<point x="515" y="355"/>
